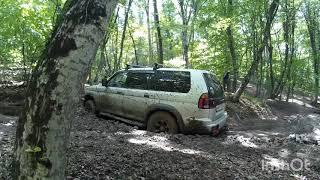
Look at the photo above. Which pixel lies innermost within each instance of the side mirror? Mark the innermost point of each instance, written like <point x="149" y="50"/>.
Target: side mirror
<point x="104" y="82"/>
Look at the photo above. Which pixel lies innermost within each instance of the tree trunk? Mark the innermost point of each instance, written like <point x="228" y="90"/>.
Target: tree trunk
<point x="270" y="51"/>
<point x="157" y="24"/>
<point x="231" y="45"/>
<point x="150" y="58"/>
<point x="134" y="48"/>
<point x="271" y="14"/>
<point x="185" y="47"/>
<point x="44" y="126"/>
<point x="260" y="80"/>
<point x="184" y="33"/>
<point x="289" y="28"/>
<point x="24" y="60"/>
<point x="314" y="36"/>
<point x="102" y="62"/>
<point x="114" y="47"/>
<point x="279" y="86"/>
<point x="103" y="59"/>
<point x="289" y="74"/>
<point x="123" y="35"/>
<point x="233" y="58"/>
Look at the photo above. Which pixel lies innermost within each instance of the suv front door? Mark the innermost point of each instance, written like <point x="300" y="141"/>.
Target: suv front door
<point x="112" y="97"/>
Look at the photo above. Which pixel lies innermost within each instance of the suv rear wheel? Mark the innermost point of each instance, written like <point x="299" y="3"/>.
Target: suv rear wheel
<point x="162" y="122"/>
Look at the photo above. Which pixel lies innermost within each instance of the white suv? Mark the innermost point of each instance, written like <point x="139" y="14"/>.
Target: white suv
<point x="163" y="100"/>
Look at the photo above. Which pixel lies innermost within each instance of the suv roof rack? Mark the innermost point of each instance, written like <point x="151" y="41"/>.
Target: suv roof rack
<point x="129" y="66"/>
<point x="157" y="66"/>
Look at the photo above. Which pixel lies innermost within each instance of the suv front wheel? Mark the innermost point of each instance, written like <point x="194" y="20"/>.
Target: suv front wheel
<point x="90" y="106"/>
<point x="162" y="122"/>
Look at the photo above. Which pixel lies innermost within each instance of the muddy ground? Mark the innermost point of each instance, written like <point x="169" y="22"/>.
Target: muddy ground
<point x="261" y="140"/>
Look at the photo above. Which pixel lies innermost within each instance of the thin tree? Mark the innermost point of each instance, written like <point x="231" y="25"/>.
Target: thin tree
<point x="123" y="36"/>
<point x="288" y="34"/>
<point x="188" y="12"/>
<point x="147" y="7"/>
<point x="103" y="62"/>
<point x="311" y="14"/>
<point x="134" y="47"/>
<point x="157" y="24"/>
<point x="43" y="129"/>
<point x="231" y="46"/>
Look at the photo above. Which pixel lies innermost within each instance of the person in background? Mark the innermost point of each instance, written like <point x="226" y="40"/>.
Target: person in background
<point x="226" y="81"/>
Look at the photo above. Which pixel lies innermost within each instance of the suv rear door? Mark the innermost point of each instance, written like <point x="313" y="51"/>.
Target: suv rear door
<point x="171" y="88"/>
<point x="136" y="96"/>
<point x="216" y="96"/>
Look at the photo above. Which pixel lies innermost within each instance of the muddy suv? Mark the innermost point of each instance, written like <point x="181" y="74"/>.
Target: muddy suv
<point x="162" y="100"/>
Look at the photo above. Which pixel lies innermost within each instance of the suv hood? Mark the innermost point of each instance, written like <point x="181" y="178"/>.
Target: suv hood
<point x="97" y="87"/>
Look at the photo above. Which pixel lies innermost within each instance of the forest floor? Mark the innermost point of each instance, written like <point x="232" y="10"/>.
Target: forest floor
<point x="262" y="139"/>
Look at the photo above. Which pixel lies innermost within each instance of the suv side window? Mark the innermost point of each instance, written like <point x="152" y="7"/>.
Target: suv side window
<point x="118" y="80"/>
<point x="171" y="81"/>
<point x="137" y="80"/>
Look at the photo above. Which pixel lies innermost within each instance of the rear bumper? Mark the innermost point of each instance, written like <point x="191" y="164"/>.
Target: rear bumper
<point x="206" y="125"/>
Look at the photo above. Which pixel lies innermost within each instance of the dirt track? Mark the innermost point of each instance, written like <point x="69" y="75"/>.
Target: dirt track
<point x="107" y="149"/>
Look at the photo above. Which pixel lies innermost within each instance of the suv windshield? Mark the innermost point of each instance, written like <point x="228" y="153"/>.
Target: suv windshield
<point x="214" y="87"/>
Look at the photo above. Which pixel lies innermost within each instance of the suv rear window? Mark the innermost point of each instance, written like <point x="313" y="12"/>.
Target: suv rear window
<point x="171" y="81"/>
<point x="214" y="87"/>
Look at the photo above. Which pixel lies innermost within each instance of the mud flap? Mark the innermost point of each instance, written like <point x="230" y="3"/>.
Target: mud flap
<point x="215" y="131"/>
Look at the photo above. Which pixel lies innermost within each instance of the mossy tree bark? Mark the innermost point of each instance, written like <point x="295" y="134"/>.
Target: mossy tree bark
<point x="43" y="128"/>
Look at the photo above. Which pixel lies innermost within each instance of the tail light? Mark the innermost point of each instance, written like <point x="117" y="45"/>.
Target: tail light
<point x="204" y="101"/>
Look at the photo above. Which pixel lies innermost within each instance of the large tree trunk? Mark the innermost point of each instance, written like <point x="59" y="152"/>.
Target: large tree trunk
<point x="271" y="14"/>
<point x="157" y="23"/>
<point x="44" y="127"/>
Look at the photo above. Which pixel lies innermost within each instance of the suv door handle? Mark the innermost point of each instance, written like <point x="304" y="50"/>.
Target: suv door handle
<point x="119" y="92"/>
<point x="146" y="95"/>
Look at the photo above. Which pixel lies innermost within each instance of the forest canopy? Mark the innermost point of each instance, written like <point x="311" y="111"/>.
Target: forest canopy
<point x="219" y="35"/>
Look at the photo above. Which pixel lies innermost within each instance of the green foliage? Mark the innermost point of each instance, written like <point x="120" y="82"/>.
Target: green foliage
<point x="25" y="25"/>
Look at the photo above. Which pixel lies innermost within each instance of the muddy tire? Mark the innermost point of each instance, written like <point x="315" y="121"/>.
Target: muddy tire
<point x="162" y="122"/>
<point x="90" y="106"/>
